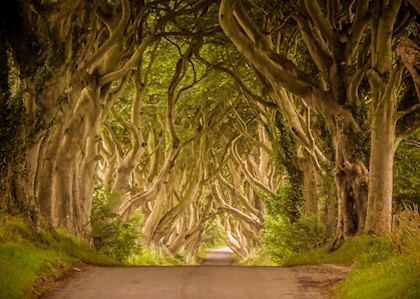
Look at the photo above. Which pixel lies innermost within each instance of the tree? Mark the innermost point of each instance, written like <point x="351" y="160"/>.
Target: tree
<point x="337" y="39"/>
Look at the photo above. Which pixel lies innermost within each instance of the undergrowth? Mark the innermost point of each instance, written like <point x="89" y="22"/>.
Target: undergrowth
<point x="383" y="266"/>
<point x="30" y="260"/>
<point x="282" y="236"/>
<point x="110" y="234"/>
<point x="147" y="257"/>
<point x="119" y="239"/>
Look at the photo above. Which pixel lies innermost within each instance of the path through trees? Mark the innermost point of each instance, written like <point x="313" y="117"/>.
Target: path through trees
<point x="207" y="118"/>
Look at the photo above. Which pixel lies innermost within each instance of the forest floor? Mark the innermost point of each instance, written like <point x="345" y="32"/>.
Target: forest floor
<point x="215" y="279"/>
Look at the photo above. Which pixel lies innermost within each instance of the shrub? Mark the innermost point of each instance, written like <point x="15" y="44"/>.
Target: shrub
<point x="284" y="236"/>
<point x="282" y="239"/>
<point x="275" y="238"/>
<point x="110" y="234"/>
<point x="283" y="203"/>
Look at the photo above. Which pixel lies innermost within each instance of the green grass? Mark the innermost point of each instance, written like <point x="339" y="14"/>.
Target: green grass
<point x="395" y="277"/>
<point x="378" y="271"/>
<point x="30" y="260"/>
<point x="347" y="254"/>
<point x="259" y="259"/>
<point x="147" y="257"/>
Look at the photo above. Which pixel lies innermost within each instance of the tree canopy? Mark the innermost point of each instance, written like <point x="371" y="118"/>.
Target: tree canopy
<point x="210" y="117"/>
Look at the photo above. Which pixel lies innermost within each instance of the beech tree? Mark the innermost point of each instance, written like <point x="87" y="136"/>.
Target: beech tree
<point x="389" y="124"/>
<point x="336" y="36"/>
<point x="75" y="63"/>
<point x="198" y="114"/>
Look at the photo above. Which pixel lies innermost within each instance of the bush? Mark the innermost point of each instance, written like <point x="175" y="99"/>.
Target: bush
<point x="275" y="238"/>
<point x="353" y="249"/>
<point x="259" y="259"/>
<point x="283" y="203"/>
<point x="282" y="239"/>
<point x="284" y="236"/>
<point x="110" y="234"/>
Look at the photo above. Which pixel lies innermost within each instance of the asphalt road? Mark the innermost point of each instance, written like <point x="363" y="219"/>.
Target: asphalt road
<point x="219" y="257"/>
<point x="209" y="281"/>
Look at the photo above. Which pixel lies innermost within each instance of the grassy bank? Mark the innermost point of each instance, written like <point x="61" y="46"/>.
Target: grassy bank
<point x="395" y="277"/>
<point x="30" y="260"/>
<point x="383" y="266"/>
<point x="147" y="257"/>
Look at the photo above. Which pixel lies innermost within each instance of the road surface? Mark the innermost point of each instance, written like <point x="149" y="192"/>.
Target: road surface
<point x="209" y="281"/>
<point x="219" y="257"/>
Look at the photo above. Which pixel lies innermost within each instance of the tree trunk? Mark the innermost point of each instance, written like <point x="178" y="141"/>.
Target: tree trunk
<point x="383" y="146"/>
<point x="57" y="174"/>
<point x="379" y="212"/>
<point x="385" y="82"/>
<point x="309" y="182"/>
<point x="351" y="177"/>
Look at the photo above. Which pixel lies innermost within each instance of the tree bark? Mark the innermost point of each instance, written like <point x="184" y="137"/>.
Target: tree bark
<point x="379" y="209"/>
<point x="310" y="184"/>
<point x="384" y="79"/>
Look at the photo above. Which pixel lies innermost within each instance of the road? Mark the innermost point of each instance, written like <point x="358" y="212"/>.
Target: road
<point x="209" y="281"/>
<point x="219" y="257"/>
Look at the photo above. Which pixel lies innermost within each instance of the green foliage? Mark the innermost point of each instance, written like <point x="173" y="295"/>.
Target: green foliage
<point x="110" y="234"/>
<point x="30" y="259"/>
<point x="406" y="173"/>
<point x="147" y="257"/>
<point x="259" y="259"/>
<point x="285" y="154"/>
<point x="276" y="238"/>
<point x="214" y="235"/>
<point x="378" y="250"/>
<point x="282" y="239"/>
<point x="347" y="254"/>
<point x="282" y="203"/>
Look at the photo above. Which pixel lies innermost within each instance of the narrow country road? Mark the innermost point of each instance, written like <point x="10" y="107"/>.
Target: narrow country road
<point x="213" y="280"/>
<point x="219" y="257"/>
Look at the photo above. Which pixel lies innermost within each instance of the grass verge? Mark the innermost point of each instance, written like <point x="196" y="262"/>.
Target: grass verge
<point x="395" y="277"/>
<point x="347" y="254"/>
<point x="259" y="259"/>
<point x="379" y="271"/>
<point x="30" y="260"/>
<point x="147" y="257"/>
